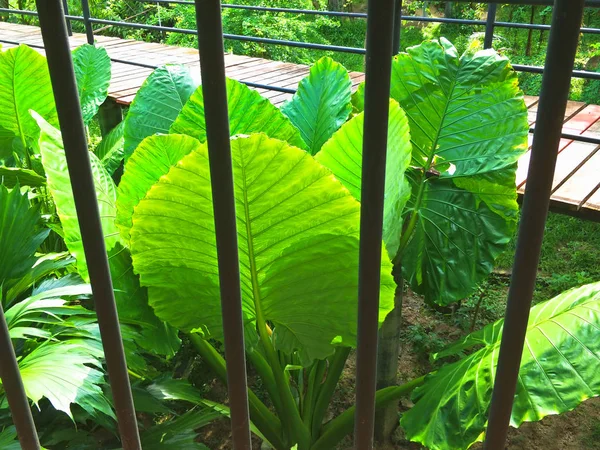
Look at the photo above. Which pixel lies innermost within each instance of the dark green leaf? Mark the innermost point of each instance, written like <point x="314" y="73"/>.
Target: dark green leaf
<point x="559" y="369"/>
<point x="111" y="150"/>
<point x="20" y="234"/>
<point x="93" y="72"/>
<point x="10" y="176"/>
<point x="468" y="124"/>
<point x="132" y="304"/>
<point x="157" y="104"/>
<point x="322" y="103"/>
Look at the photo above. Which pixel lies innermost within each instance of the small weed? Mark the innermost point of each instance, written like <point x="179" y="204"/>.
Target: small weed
<point x="423" y="340"/>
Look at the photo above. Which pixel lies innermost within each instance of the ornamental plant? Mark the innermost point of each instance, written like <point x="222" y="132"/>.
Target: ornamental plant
<point x="457" y="127"/>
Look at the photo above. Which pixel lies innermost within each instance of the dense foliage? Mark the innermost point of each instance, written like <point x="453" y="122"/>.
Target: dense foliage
<point x="457" y="126"/>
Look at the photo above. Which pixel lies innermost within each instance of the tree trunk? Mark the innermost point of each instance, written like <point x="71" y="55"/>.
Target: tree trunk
<point x="541" y="41"/>
<point x="4" y="4"/>
<point x="448" y="10"/>
<point x="530" y="34"/>
<point x="335" y="5"/>
<point x="386" y="419"/>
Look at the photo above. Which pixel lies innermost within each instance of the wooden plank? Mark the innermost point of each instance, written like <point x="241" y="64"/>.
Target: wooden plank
<point x="570" y="160"/>
<point x="583" y="120"/>
<point x="584" y="181"/>
<point x="594" y="201"/>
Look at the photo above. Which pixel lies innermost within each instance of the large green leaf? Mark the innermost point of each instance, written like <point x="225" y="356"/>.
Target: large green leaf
<point x="298" y="241"/>
<point x="59" y="184"/>
<point x="93" y="72"/>
<point x="11" y="176"/>
<point x="152" y="159"/>
<point x="249" y="112"/>
<point x="111" y="150"/>
<point x="468" y="124"/>
<point x="343" y="155"/>
<point x="322" y="103"/>
<point x="559" y="369"/>
<point x="24" y="85"/>
<point x="179" y="433"/>
<point x="157" y="104"/>
<point x="132" y="304"/>
<point x="45" y="265"/>
<point x="20" y="234"/>
<point x="8" y="439"/>
<point x="65" y="373"/>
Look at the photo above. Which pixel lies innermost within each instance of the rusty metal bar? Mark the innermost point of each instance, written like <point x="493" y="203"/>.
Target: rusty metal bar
<point x="380" y="27"/>
<point x="397" y="27"/>
<point x="15" y="392"/>
<point x="562" y="47"/>
<point x="490" y="25"/>
<point x="60" y="64"/>
<point x="212" y="68"/>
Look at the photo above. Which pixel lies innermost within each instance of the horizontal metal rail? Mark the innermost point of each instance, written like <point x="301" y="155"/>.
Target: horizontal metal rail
<point x="483" y="23"/>
<point x="313" y="46"/>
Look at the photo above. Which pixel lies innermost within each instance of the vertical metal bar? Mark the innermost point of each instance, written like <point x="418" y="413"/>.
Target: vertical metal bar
<point x="67" y="21"/>
<point x="212" y="68"/>
<point x="60" y="64"/>
<point x="397" y="27"/>
<point x="15" y="392"/>
<point x="562" y="47"/>
<point x="490" y="25"/>
<point x="380" y="27"/>
<point x="85" y="12"/>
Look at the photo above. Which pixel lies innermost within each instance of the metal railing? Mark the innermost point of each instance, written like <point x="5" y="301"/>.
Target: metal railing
<point x="562" y="45"/>
<point x="490" y="24"/>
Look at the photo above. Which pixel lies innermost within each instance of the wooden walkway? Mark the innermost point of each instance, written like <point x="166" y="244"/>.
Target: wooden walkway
<point x="576" y="188"/>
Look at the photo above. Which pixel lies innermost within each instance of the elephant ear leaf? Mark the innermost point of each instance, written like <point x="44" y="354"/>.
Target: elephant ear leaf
<point x="468" y="124"/>
<point x="93" y="72"/>
<point x="153" y="158"/>
<point x="322" y="103"/>
<point x="21" y="234"/>
<point x="342" y="154"/>
<point x="559" y="370"/>
<point x="298" y="243"/>
<point x="11" y="176"/>
<point x="157" y="104"/>
<point x="59" y="184"/>
<point x="132" y="303"/>
<point x="24" y="85"/>
<point x="249" y="112"/>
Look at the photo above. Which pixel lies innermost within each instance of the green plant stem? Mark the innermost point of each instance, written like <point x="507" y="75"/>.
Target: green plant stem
<point x="336" y="366"/>
<point x="291" y="414"/>
<point x="266" y="374"/>
<point x="342" y="425"/>
<point x="268" y="424"/>
<point x="308" y="403"/>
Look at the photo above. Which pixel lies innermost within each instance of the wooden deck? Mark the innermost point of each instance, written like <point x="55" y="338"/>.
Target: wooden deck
<point x="576" y="188"/>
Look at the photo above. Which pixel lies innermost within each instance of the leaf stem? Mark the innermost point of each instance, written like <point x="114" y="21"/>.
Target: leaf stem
<point x="266" y="374"/>
<point x="336" y="366"/>
<point x="342" y="425"/>
<point x="268" y="424"/>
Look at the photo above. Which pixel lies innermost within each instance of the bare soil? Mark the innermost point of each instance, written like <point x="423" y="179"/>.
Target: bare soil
<point x="576" y="430"/>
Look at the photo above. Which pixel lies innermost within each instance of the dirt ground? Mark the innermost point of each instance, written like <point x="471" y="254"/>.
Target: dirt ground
<point x="575" y="430"/>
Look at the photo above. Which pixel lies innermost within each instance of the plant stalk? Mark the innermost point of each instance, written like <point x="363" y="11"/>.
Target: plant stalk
<point x="342" y="425"/>
<point x="336" y="366"/>
<point x="266" y="374"/>
<point x="268" y="424"/>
